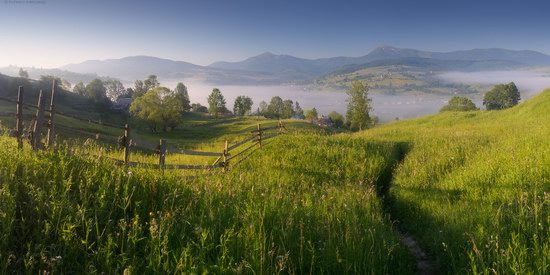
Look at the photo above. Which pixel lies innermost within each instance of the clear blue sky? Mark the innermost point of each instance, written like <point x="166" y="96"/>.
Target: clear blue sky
<point x="50" y="33"/>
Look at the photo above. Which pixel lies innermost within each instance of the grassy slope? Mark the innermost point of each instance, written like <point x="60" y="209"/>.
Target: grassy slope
<point x="303" y="203"/>
<point x="474" y="187"/>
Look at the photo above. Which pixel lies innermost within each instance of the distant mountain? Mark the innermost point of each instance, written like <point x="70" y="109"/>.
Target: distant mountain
<point x="528" y="58"/>
<point x="35" y="73"/>
<point x="134" y="67"/>
<point x="483" y="59"/>
<point x="269" y="68"/>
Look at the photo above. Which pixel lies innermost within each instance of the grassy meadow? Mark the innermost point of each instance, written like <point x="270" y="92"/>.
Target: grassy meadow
<point x="472" y="188"/>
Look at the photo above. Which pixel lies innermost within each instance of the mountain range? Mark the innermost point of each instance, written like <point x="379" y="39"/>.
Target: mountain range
<point x="269" y="68"/>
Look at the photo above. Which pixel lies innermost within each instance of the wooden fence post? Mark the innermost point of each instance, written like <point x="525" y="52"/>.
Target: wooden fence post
<point x="50" y="136"/>
<point x="19" y="122"/>
<point x="260" y="134"/>
<point x="39" y="122"/>
<point x="126" y="143"/>
<point x="225" y="162"/>
<point x="162" y="153"/>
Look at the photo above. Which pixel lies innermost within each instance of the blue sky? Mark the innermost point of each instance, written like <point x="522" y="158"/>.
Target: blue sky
<point x="51" y="33"/>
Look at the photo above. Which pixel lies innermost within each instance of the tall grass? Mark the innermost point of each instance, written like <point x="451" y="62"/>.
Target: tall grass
<point x="474" y="187"/>
<point x="303" y="204"/>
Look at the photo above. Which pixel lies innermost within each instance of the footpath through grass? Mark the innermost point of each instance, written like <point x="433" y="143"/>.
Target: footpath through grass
<point x="474" y="188"/>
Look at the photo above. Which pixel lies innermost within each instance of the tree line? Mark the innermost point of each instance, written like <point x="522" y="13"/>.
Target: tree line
<point x="501" y="96"/>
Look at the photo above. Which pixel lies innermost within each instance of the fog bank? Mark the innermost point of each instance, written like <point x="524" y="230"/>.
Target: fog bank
<point x="530" y="83"/>
<point x="386" y="107"/>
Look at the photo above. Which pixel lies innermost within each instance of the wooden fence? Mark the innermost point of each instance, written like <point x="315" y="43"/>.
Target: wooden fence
<point x="225" y="157"/>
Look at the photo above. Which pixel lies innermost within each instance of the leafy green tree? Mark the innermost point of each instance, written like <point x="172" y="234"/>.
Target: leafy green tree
<point x="183" y="96"/>
<point x="158" y="107"/>
<point x="151" y="82"/>
<point x="46" y="82"/>
<point x="96" y="90"/>
<point x="359" y="106"/>
<point x="79" y="89"/>
<point x="198" y="108"/>
<point x="216" y="103"/>
<point x="23" y="73"/>
<point x="275" y="107"/>
<point x="502" y="96"/>
<point x="129" y="93"/>
<point x="97" y="93"/>
<point x="459" y="104"/>
<point x="115" y="89"/>
<point x="298" y="111"/>
<point x="139" y="89"/>
<point x="242" y="105"/>
<point x="311" y="115"/>
<point x="288" y="108"/>
<point x="262" y="110"/>
<point x="336" y="118"/>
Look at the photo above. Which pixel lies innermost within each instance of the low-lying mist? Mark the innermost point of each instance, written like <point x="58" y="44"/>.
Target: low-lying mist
<point x="529" y="83"/>
<point x="386" y="107"/>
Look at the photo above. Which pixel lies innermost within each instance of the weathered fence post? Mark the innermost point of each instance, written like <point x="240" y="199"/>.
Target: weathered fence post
<point x="260" y="134"/>
<point x="52" y="113"/>
<point x="225" y="162"/>
<point x="162" y="153"/>
<point x="19" y="116"/>
<point x="126" y="143"/>
<point x="39" y="122"/>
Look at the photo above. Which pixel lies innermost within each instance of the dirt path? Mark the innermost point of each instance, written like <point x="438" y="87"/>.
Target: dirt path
<point x="423" y="264"/>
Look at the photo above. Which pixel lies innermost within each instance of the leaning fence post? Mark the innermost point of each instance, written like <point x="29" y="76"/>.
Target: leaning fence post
<point x="52" y="113"/>
<point x="225" y="162"/>
<point x="19" y="122"/>
<point x="260" y="134"/>
<point x="39" y="122"/>
<point x="126" y="143"/>
<point x="162" y="153"/>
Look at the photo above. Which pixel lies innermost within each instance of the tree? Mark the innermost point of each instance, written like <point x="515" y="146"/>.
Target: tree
<point x="359" y="106"/>
<point x="336" y="118"/>
<point x="288" y="108"/>
<point x="97" y="93"/>
<point x="46" y="81"/>
<point x="115" y="89"/>
<point x="23" y="73"/>
<point x="502" y="96"/>
<point x="311" y="115"/>
<point x="262" y="110"/>
<point x="243" y="105"/>
<point x="298" y="110"/>
<point x="129" y="93"/>
<point x="139" y="89"/>
<point x="216" y="102"/>
<point x="459" y="104"/>
<point x="151" y="82"/>
<point x="79" y="89"/>
<point x="198" y="108"/>
<point x="157" y="107"/>
<point x="275" y="107"/>
<point x="183" y="96"/>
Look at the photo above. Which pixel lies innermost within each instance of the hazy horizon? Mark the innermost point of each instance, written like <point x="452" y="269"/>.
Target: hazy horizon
<point x="53" y="33"/>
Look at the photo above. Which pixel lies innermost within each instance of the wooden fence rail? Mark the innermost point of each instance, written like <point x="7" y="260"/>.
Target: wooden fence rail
<point x="223" y="160"/>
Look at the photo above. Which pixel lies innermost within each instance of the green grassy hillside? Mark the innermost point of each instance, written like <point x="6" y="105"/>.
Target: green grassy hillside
<point x="474" y="187"/>
<point x="304" y="203"/>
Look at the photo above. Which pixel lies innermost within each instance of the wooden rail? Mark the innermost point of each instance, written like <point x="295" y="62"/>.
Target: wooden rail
<point x="223" y="158"/>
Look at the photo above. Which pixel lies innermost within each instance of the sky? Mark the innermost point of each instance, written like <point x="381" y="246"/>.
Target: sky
<point x="52" y="33"/>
